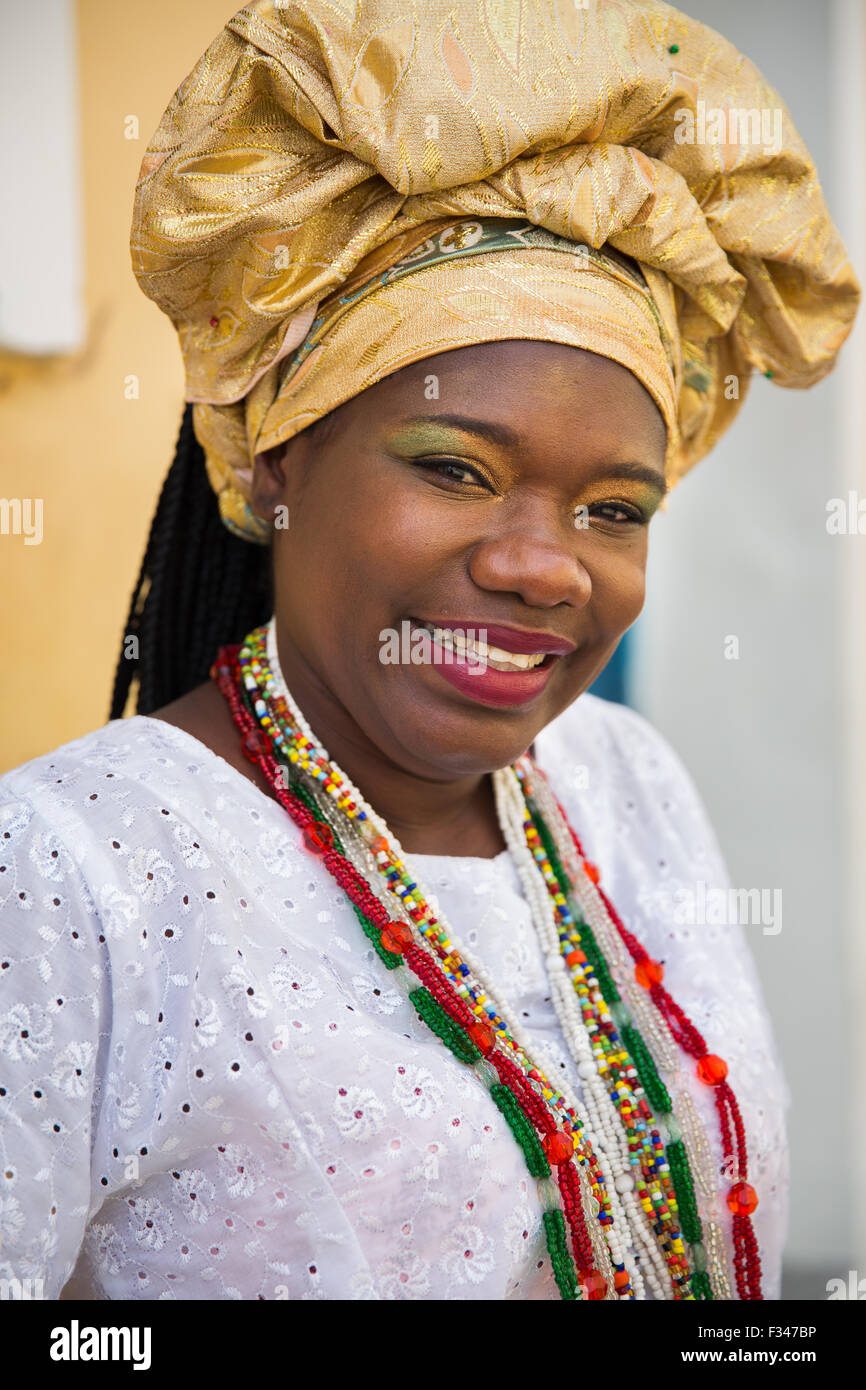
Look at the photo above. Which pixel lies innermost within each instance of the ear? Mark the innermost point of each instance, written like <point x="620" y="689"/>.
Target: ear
<point x="268" y="482"/>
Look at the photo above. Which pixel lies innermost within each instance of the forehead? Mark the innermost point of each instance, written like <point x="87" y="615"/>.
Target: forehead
<point x="533" y="387"/>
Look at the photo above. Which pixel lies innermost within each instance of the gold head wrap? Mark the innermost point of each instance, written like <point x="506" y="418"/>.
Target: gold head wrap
<point x="341" y="187"/>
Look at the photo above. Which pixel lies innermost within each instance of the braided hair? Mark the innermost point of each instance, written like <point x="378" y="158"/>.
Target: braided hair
<point x="199" y="588"/>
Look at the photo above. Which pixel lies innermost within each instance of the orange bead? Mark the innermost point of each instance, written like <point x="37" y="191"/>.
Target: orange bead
<point x="591" y="871"/>
<point x="575" y="958"/>
<point x="319" y="837"/>
<point x="649" y="972"/>
<point x="593" y="1284"/>
<point x="742" y="1199"/>
<point x="712" y="1069"/>
<point x="397" y="937"/>
<point x="621" y="1279"/>
<point x="255" y="744"/>
<point x="483" y="1036"/>
<point x="558" y="1146"/>
<point x="379" y="844"/>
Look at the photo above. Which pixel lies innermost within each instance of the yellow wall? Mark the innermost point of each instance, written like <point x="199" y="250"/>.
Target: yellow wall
<point x="68" y="433"/>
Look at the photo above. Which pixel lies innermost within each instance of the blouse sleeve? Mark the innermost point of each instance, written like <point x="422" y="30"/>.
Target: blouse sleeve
<point x="54" y="1036"/>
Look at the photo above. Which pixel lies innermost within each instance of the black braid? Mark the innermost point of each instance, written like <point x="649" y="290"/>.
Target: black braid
<point x="199" y="587"/>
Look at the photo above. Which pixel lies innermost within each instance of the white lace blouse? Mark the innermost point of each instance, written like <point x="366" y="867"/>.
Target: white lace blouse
<point x="209" y="1088"/>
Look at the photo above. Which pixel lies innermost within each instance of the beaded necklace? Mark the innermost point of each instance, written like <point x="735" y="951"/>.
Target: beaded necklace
<point x="646" y="1214"/>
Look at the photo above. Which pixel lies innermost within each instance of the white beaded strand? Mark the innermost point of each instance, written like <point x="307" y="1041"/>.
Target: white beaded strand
<point x="652" y="1025"/>
<point x="603" y="1130"/>
<point x="608" y="1135"/>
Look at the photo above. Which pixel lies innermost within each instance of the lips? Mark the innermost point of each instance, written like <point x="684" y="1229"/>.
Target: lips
<point x="509" y="639"/>
<point x="482" y="681"/>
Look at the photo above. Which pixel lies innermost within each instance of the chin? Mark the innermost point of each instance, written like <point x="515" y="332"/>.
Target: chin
<point x="445" y="739"/>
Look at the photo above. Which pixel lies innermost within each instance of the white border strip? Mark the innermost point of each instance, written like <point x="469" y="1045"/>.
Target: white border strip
<point x="848" y="128"/>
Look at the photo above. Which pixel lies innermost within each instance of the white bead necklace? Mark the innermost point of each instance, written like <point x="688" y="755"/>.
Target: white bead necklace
<point x="652" y="1025"/>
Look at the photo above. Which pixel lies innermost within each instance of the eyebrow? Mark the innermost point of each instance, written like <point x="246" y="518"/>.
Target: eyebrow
<point x="640" y="472"/>
<point x="509" y="438"/>
<point x="497" y="434"/>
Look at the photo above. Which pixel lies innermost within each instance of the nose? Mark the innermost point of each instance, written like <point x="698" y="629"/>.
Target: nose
<point x="532" y="559"/>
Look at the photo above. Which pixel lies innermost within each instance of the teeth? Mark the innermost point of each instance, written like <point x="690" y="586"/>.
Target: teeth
<point x="479" y="651"/>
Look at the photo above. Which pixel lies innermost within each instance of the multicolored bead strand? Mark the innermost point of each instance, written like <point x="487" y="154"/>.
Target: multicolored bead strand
<point x="648" y="1163"/>
<point x="318" y="760"/>
<point x="635" y="1007"/>
<point x="591" y="1217"/>
<point x="741" y="1198"/>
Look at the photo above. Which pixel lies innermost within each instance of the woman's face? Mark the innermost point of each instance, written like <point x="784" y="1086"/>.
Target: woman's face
<point x="503" y="489"/>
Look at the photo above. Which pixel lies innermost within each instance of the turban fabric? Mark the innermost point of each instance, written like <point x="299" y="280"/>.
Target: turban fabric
<point x="341" y="187"/>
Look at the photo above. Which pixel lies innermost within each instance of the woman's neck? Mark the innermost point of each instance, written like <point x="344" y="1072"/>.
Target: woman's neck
<point x="427" y="814"/>
<point x="428" y="817"/>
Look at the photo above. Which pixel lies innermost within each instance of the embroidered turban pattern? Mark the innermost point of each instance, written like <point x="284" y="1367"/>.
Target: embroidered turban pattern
<point x="318" y="208"/>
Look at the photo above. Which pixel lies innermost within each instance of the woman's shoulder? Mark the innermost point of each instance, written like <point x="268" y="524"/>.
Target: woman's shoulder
<point x="599" y="733"/>
<point x="138" y="816"/>
<point x="119" y="770"/>
<point x="120" y="750"/>
<point x="615" y="772"/>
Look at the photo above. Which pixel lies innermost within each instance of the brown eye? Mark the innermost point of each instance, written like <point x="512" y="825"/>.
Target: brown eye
<point x="619" y="514"/>
<point x="453" y="470"/>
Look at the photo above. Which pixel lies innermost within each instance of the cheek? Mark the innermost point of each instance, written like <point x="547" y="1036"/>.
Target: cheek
<point x="394" y="536"/>
<point x="619" y="586"/>
<point x="355" y="546"/>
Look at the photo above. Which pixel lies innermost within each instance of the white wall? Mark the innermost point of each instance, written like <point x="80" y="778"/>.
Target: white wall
<point x="41" y="263"/>
<point x="773" y="739"/>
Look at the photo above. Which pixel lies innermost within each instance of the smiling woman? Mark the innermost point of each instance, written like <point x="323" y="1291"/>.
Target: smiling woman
<point x="359" y="980"/>
<point x="474" y="517"/>
<point x="464" y="520"/>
